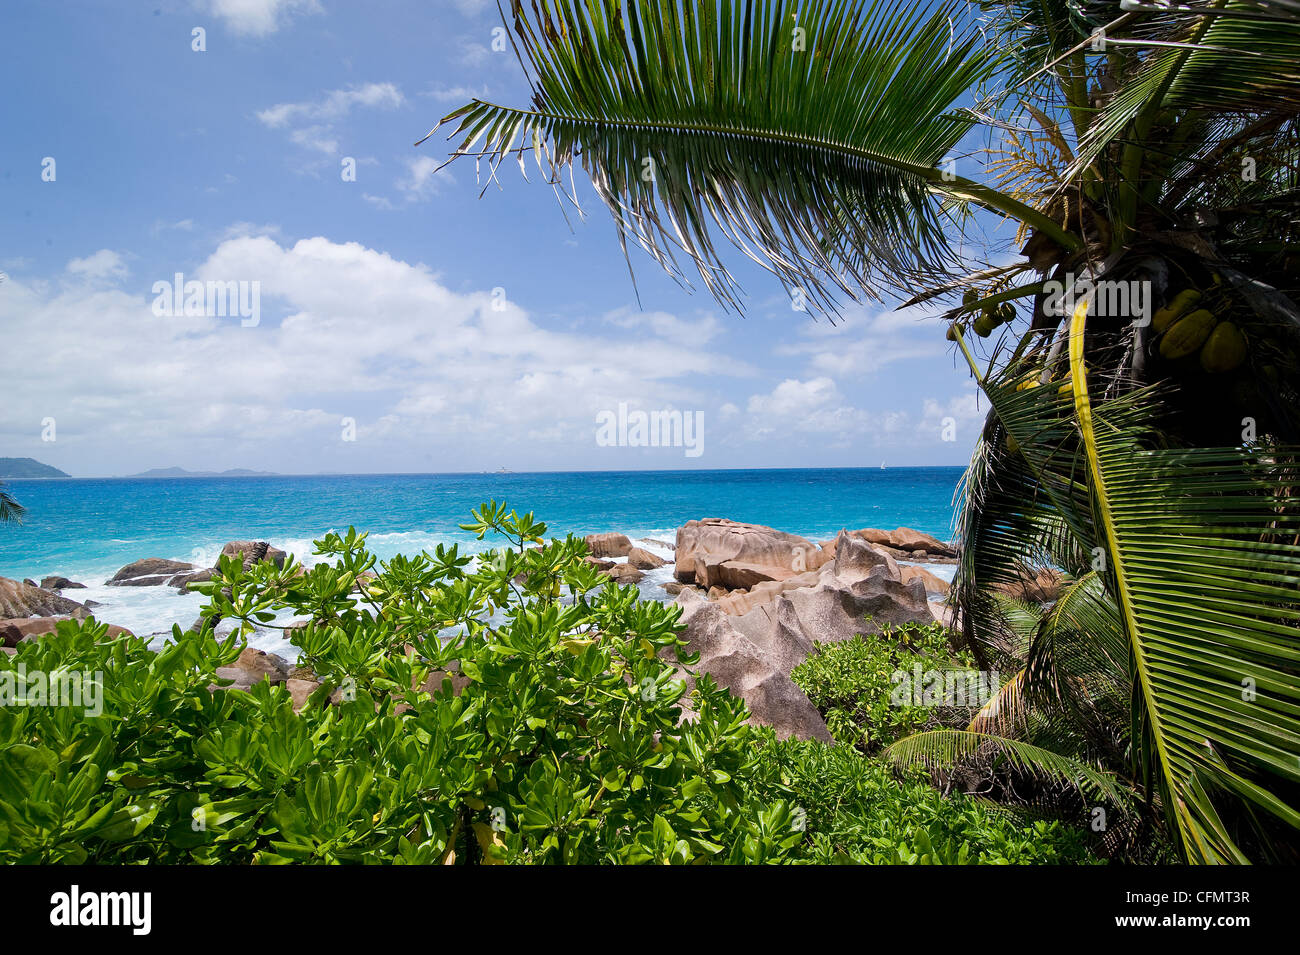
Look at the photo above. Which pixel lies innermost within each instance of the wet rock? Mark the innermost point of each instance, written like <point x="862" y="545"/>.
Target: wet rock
<point x="60" y="583"/>
<point x="183" y="581"/>
<point x="254" y="552"/>
<point x="22" y="599"/>
<point x="644" y="560"/>
<point x="624" y="574"/>
<point x="150" y="572"/>
<point x="608" y="545"/>
<point x="14" y="631"/>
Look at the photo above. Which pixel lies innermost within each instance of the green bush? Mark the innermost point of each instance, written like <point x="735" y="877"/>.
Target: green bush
<point x="853" y="684"/>
<point x="563" y="743"/>
<point x="857" y="810"/>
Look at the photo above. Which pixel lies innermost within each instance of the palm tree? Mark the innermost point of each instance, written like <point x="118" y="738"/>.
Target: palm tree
<point x="1146" y="153"/>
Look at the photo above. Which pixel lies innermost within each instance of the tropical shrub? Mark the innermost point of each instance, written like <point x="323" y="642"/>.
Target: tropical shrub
<point x="856" y="810"/>
<point x="515" y="708"/>
<point x="855" y="684"/>
<point x="562" y="746"/>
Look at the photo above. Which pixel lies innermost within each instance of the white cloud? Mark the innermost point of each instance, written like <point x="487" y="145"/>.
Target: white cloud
<point x="865" y="341"/>
<point x="798" y="406"/>
<point x="815" y="407"/>
<point x="665" y="325"/>
<point x="963" y="412"/>
<point x="258" y="17"/>
<point x="423" y="179"/>
<point x="472" y="53"/>
<point x="104" y="264"/>
<point x="243" y="230"/>
<point x="317" y="138"/>
<point x="311" y="124"/>
<point x="456" y="94"/>
<point x="346" y="331"/>
<point x="335" y="105"/>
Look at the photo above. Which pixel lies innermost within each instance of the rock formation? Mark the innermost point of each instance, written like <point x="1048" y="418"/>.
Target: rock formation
<point x="608" y="545"/>
<point x="21" y="599"/>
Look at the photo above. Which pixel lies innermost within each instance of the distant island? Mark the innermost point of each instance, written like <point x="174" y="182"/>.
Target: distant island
<point x="28" y="468"/>
<point x="182" y="473"/>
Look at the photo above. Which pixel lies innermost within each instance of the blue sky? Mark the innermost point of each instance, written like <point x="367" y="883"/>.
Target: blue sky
<point x="378" y="346"/>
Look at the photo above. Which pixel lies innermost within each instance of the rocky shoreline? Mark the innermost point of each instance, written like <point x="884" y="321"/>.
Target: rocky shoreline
<point x="754" y="601"/>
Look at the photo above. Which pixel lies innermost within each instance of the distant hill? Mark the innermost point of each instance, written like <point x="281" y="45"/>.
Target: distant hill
<point x="181" y="473"/>
<point x="27" y="468"/>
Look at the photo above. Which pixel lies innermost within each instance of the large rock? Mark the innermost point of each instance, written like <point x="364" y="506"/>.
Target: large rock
<point x="859" y="592"/>
<point x="642" y="559"/>
<point x="299" y="691"/>
<point x="150" y="572"/>
<point x="254" y="552"/>
<point x="20" y="599"/>
<point x="13" y="632"/>
<point x="933" y="584"/>
<point x="716" y="552"/>
<point x="624" y="574"/>
<point x="908" y="540"/>
<point x="183" y="581"/>
<point x="254" y="666"/>
<point x="739" y="602"/>
<point x="736" y="664"/>
<point x="60" y="583"/>
<point x="608" y="545"/>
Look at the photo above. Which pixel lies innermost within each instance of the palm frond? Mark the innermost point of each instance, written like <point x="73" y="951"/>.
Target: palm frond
<point x="1226" y="56"/>
<point x="945" y="748"/>
<point x="10" y="509"/>
<point x="810" y="135"/>
<point x="1203" y="563"/>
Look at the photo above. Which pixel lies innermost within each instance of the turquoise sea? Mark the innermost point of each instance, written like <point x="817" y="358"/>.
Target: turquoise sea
<point x="86" y="529"/>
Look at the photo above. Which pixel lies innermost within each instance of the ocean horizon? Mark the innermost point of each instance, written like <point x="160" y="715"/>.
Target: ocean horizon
<point x="88" y="528"/>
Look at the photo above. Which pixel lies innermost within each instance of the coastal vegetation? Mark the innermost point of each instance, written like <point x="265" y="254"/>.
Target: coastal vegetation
<point x="854" y="685"/>
<point x="516" y="706"/>
<point x="1138" y="351"/>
